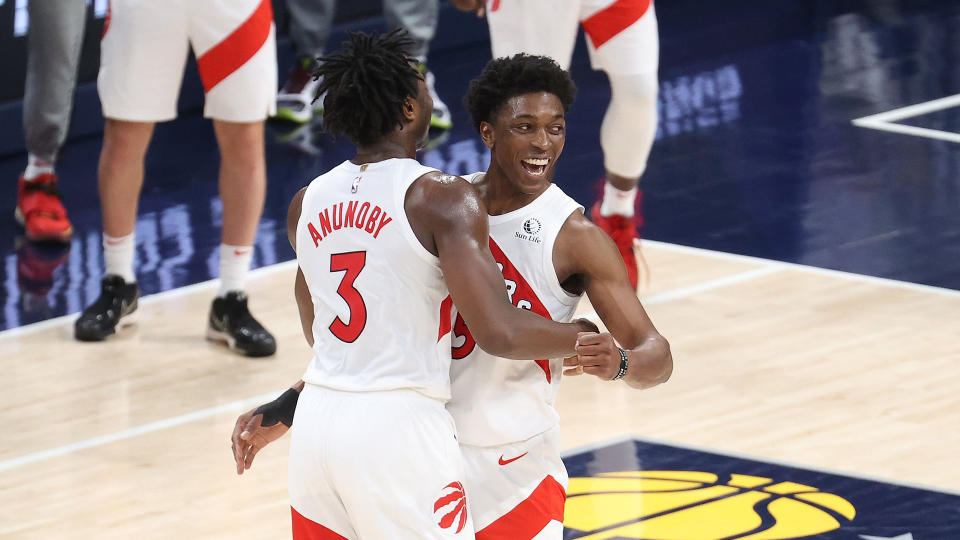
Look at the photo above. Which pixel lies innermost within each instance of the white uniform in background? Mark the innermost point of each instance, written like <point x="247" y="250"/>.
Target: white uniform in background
<point x="622" y="40"/>
<point x="373" y="452"/>
<point x="144" y="50"/>
<point x="504" y="409"/>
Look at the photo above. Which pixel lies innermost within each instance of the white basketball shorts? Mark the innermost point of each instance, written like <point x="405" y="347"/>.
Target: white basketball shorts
<point x="375" y="465"/>
<point x="621" y="34"/>
<point x="517" y="491"/>
<point x="144" y="50"/>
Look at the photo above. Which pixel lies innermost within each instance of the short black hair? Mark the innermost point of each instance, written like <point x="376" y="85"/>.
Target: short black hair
<point x="504" y="78"/>
<point x="366" y="84"/>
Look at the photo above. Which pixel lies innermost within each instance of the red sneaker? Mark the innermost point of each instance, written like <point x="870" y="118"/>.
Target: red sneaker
<point x="40" y="211"/>
<point x="623" y="231"/>
<point x="36" y="264"/>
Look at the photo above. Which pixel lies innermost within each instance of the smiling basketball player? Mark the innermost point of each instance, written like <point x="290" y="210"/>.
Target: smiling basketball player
<point x="550" y="255"/>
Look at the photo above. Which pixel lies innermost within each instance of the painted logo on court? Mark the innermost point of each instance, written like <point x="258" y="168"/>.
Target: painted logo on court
<point x="451" y="508"/>
<point x="694" y="505"/>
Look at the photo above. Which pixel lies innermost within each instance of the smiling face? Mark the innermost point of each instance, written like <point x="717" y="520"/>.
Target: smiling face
<point x="526" y="137"/>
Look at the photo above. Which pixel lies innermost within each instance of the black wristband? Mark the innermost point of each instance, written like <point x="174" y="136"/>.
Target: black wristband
<point x="279" y="410"/>
<point x="624" y="364"/>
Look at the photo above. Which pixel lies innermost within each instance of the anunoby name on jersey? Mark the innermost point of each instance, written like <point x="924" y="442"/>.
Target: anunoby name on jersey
<point x="357" y="215"/>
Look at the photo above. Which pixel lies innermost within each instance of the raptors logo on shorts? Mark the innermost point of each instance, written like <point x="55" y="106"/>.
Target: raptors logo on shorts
<point x="451" y="508"/>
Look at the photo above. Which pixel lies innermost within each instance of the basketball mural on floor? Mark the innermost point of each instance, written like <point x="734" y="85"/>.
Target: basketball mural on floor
<point x="651" y="491"/>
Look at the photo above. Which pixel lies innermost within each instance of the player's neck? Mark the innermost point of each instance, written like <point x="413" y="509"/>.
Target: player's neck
<point x="386" y="148"/>
<point x="501" y="195"/>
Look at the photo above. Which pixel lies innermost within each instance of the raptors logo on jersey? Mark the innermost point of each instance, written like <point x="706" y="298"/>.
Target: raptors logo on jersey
<point x="497" y="400"/>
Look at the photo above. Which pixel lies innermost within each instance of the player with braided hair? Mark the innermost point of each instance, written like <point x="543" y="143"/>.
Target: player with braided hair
<point x="385" y="246"/>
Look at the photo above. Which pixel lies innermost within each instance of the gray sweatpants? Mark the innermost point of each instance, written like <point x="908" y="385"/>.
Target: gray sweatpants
<point x="311" y="20"/>
<point x="53" y="51"/>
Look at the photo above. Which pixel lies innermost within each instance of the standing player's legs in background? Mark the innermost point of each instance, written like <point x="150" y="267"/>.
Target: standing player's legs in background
<point x="53" y="51"/>
<point x="310" y="23"/>
<point x="142" y="55"/>
<point x="419" y="19"/>
<point x="142" y="58"/>
<point x="622" y="41"/>
<point x="235" y="45"/>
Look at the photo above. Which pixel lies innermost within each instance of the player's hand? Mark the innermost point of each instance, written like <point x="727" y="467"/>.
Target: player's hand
<point x="476" y="6"/>
<point x="249" y="437"/>
<point x="571" y="366"/>
<point x="587" y="326"/>
<point x="598" y="355"/>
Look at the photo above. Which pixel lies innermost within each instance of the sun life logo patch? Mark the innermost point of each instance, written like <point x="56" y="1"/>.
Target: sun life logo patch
<point x="696" y="505"/>
<point x="531" y="226"/>
<point x="530" y="229"/>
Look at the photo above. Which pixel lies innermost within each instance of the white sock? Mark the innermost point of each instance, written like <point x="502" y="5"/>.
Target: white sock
<point x="234" y="266"/>
<point x="616" y="201"/>
<point x="36" y="167"/>
<point x="118" y="255"/>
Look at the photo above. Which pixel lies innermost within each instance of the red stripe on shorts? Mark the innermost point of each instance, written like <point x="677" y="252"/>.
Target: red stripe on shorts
<point x="227" y="56"/>
<point x="304" y="529"/>
<point x="610" y="21"/>
<point x="529" y="517"/>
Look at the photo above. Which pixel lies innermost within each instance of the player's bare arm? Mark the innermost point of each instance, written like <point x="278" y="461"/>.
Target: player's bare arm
<point x="300" y="290"/>
<point x="259" y="427"/>
<point x="587" y="260"/>
<point x="450" y="219"/>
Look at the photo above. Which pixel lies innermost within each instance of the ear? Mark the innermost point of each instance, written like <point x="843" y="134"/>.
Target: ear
<point x="486" y="134"/>
<point x="409" y="109"/>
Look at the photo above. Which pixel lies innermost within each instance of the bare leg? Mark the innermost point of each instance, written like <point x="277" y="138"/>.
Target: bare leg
<point x="121" y="173"/>
<point x="243" y="186"/>
<point x="243" y="179"/>
<point x="622" y="183"/>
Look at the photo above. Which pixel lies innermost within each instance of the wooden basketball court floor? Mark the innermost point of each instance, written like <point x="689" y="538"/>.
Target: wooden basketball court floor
<point x="130" y="439"/>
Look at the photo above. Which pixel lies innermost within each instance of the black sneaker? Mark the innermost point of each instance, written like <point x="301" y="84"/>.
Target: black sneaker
<point x="116" y="306"/>
<point x="232" y="323"/>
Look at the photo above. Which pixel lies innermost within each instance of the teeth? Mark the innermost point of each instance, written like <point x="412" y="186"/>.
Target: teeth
<point x="538" y="162"/>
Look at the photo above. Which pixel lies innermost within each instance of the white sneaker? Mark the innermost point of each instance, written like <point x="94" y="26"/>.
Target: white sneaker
<point x="295" y="101"/>
<point x="441" y="117"/>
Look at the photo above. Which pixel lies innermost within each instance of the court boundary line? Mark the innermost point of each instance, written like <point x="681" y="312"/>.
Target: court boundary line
<point x="129" y="433"/>
<point x="689" y="290"/>
<point x="42" y="455"/>
<point x="148" y="299"/>
<point x="886" y="121"/>
<point x="267" y="270"/>
<point x="767" y="267"/>
<point x="808" y="269"/>
<point x="740" y="455"/>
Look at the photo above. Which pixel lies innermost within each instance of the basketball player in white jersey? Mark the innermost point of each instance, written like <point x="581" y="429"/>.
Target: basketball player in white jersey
<point x="550" y="255"/>
<point x="622" y="41"/>
<point x="385" y="246"/>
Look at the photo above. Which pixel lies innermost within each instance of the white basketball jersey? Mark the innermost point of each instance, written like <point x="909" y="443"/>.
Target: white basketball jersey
<point x="381" y="307"/>
<point x="496" y="400"/>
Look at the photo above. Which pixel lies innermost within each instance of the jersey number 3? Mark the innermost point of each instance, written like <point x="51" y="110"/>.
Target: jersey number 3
<point x="351" y="263"/>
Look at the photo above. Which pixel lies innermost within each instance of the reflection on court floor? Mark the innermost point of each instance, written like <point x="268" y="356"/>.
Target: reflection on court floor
<point x="645" y="490"/>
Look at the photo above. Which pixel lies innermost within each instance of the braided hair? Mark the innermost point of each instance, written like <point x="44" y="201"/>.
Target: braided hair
<point x="366" y="84"/>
